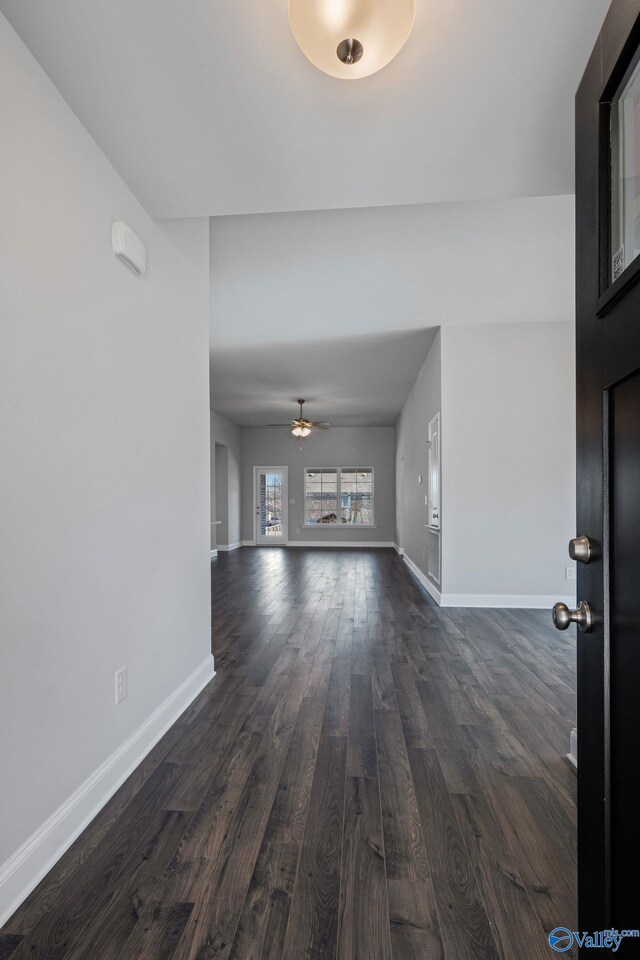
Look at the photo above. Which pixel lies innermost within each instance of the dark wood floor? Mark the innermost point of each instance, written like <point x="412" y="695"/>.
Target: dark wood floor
<point x="368" y="777"/>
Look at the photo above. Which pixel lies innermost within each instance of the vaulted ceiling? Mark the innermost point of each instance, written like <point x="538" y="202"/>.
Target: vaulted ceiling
<point x="209" y="108"/>
<point x="463" y="143"/>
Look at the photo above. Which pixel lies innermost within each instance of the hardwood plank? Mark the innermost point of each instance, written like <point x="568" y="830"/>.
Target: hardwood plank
<point x="447" y="737"/>
<point x="8" y="944"/>
<point x="362" y="759"/>
<point x="288" y="815"/>
<point x="263" y="923"/>
<point x="405" y="851"/>
<point x="414" y="723"/>
<point x="504" y="894"/>
<point x="364" y="910"/>
<point x="157" y="935"/>
<point x="413" y="918"/>
<point x="466" y="929"/>
<point x="312" y="931"/>
<point x="384" y="692"/>
<point x="336" y="721"/>
<point x="212" y="925"/>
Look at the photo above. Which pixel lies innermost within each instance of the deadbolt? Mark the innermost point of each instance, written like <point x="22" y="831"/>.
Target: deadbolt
<point x="580" y="549"/>
<point x="563" y="617"/>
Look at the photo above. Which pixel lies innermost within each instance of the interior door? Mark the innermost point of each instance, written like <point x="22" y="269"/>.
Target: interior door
<point x="608" y="515"/>
<point x="271" y="503"/>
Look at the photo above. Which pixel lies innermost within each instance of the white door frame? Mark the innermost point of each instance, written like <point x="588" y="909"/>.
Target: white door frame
<point x="282" y="540"/>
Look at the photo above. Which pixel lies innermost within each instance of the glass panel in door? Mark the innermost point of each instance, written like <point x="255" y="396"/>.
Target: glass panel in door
<point x="271" y="505"/>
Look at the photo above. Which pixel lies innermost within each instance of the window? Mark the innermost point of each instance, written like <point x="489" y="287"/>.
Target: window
<point x="339" y="495"/>
<point x="625" y="171"/>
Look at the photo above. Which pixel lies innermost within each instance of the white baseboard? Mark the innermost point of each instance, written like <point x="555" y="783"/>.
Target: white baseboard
<point x="33" y="860"/>
<point x="421" y="578"/>
<point x="225" y="547"/>
<point x="338" y="543"/>
<point x="398" y="550"/>
<point x="248" y="543"/>
<point x="572" y="756"/>
<point x="489" y="600"/>
<point x="214" y="554"/>
<point x="505" y="600"/>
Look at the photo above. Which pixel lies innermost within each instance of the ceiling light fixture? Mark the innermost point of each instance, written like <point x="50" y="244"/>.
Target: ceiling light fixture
<point x="300" y="427"/>
<point x="351" y="39"/>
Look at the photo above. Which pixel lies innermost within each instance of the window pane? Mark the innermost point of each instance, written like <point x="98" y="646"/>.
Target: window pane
<point x="625" y="172"/>
<point x="321" y="492"/>
<point x="329" y="516"/>
<point x="356" y="499"/>
<point x="350" y="502"/>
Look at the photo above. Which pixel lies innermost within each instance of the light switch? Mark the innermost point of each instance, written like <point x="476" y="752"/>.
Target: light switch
<point x="419" y="478"/>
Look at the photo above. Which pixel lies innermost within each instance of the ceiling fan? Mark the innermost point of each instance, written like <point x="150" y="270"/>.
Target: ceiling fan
<point x="300" y="427"/>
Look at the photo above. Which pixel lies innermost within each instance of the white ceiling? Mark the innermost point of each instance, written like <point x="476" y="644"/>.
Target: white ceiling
<point x="321" y="304"/>
<point x="211" y="108"/>
<point x="350" y="381"/>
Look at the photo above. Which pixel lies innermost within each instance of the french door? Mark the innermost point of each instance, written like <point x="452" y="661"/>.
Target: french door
<point x="271" y="500"/>
<point x="608" y="547"/>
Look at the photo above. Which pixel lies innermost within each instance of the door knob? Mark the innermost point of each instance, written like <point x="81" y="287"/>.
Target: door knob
<point x="580" y="549"/>
<point x="562" y="616"/>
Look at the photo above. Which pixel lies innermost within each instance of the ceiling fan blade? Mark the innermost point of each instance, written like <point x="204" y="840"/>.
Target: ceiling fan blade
<point x="321" y="426"/>
<point x="279" y="424"/>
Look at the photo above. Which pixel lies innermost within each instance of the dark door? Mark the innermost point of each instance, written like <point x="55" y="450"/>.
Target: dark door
<point x="608" y="399"/>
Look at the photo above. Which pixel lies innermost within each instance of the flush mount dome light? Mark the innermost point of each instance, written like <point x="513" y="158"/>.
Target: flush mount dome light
<point x="351" y="39"/>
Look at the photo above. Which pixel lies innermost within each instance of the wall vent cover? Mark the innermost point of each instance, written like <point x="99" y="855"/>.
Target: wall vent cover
<point x="129" y="248"/>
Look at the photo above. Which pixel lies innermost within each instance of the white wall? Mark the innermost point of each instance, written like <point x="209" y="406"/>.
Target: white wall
<point x="105" y="472"/>
<point x="337" y="447"/>
<point x="508" y="462"/>
<point x="412" y="433"/>
<point x="397" y="268"/>
<point x="227" y="434"/>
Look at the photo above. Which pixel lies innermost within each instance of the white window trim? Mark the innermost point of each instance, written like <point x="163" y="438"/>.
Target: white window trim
<point x="342" y="526"/>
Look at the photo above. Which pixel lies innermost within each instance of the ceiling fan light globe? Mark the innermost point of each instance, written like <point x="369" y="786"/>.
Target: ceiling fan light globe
<point x="304" y="431"/>
<point x="297" y="431"/>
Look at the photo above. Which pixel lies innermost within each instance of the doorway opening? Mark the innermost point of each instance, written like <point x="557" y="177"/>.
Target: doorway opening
<point x="220" y="528"/>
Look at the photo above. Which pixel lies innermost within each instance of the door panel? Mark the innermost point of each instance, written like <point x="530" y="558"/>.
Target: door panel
<point x="271" y="505"/>
<point x="608" y="488"/>
<point x="624" y="488"/>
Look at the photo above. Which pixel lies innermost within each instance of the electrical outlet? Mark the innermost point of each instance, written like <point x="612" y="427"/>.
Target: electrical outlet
<point x="426" y="499"/>
<point x="121" y="684"/>
<point x="570" y="573"/>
